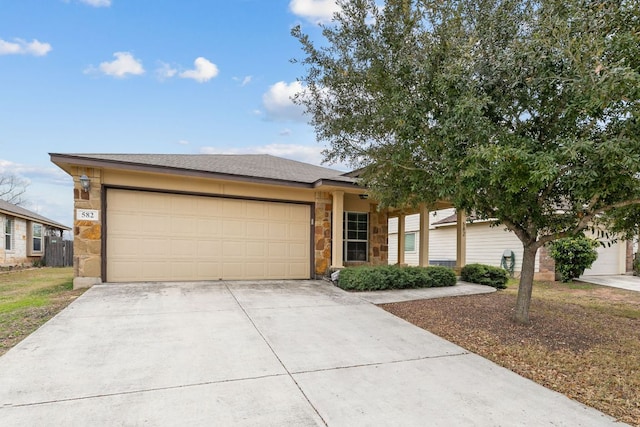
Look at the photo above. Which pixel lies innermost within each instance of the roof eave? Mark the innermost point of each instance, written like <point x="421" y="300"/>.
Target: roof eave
<point x="34" y="219"/>
<point x="62" y="159"/>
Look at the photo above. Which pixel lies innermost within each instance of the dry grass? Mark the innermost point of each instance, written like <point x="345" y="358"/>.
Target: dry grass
<point x="28" y="298"/>
<point x="583" y="340"/>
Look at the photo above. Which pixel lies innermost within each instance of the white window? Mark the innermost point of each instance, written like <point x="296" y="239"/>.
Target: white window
<point x="356" y="236"/>
<point x="8" y="234"/>
<point x="410" y="242"/>
<point x="36" y="237"/>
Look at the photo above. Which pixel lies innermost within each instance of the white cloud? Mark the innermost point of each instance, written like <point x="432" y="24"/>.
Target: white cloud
<point x="277" y="101"/>
<point x="165" y="71"/>
<point x="35" y="173"/>
<point x="204" y="70"/>
<point x="316" y="11"/>
<point x="97" y="3"/>
<point x="22" y="47"/>
<point x="183" y="142"/>
<point x="244" y="80"/>
<point x="124" y="64"/>
<point x="302" y="153"/>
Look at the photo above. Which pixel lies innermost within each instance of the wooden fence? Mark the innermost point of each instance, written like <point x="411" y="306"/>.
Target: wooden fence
<point x="58" y="252"/>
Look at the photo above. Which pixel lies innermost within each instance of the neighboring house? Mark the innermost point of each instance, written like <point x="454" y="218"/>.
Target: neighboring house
<point x="155" y="217"/>
<point x="24" y="234"/>
<point x="487" y="244"/>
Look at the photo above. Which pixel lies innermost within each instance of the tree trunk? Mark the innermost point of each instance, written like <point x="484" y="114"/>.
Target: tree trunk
<point x="526" y="284"/>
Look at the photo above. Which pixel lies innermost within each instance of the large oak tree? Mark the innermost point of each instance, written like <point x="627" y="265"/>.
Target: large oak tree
<point x="517" y="110"/>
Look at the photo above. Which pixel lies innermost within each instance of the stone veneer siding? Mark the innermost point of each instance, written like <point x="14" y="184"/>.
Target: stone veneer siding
<point x="87" y="235"/>
<point x="378" y="235"/>
<point x="322" y="233"/>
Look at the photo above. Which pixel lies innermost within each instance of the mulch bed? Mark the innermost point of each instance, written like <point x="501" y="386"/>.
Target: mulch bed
<point x="590" y="355"/>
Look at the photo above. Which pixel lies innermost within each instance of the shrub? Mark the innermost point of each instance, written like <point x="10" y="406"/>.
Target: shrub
<point x="483" y="274"/>
<point x="573" y="255"/>
<point x="394" y="277"/>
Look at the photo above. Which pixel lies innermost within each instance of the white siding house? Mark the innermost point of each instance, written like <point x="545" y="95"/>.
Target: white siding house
<point x="486" y="244"/>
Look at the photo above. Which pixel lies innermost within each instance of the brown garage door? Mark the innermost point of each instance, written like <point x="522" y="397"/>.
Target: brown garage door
<point x="171" y="237"/>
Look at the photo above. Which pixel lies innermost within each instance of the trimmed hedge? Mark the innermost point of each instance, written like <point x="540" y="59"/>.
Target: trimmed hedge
<point x="374" y="278"/>
<point x="483" y="274"/>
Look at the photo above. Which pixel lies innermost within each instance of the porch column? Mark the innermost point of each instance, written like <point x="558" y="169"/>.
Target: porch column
<point x="461" y="239"/>
<point x="423" y="248"/>
<point x="337" y="226"/>
<point x="401" y="239"/>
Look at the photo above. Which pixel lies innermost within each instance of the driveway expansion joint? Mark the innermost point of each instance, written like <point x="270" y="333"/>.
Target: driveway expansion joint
<point x="277" y="357"/>
<point x="147" y="390"/>
<point x="391" y="362"/>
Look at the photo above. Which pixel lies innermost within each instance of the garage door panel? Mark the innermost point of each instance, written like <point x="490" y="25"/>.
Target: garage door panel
<point x="234" y="208"/>
<point x="235" y="249"/>
<point x="183" y="269"/>
<point x="255" y="210"/>
<point x="209" y="227"/>
<point x="152" y="248"/>
<point x="125" y="246"/>
<point x="209" y="249"/>
<point x="256" y="249"/>
<point x="256" y="230"/>
<point x="297" y="231"/>
<point x="154" y="224"/>
<point x="298" y="251"/>
<point x="154" y="271"/>
<point x="183" y="248"/>
<point x="233" y="270"/>
<point x="211" y="269"/>
<point x="164" y="237"/>
<point x="298" y="213"/>
<point x="297" y="269"/>
<point x="234" y="228"/>
<point x="277" y="230"/>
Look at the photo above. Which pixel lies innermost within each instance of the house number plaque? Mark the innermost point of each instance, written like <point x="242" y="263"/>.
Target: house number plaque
<point x="87" y="214"/>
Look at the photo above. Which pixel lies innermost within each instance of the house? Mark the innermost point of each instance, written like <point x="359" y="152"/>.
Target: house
<point x="24" y="234"/>
<point x="486" y="244"/>
<point x="159" y="217"/>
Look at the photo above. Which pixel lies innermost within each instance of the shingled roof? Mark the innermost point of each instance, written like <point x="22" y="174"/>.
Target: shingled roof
<point x="20" y="212"/>
<point x="257" y="166"/>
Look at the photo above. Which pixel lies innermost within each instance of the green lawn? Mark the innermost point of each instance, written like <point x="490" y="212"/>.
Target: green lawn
<point x="28" y="298"/>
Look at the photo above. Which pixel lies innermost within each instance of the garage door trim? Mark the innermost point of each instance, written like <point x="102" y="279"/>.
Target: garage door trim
<point x="105" y="225"/>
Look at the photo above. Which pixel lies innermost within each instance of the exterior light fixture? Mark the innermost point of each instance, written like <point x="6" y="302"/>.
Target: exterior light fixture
<point x="85" y="183"/>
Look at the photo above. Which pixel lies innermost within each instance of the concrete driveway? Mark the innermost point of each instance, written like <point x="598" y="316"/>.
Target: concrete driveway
<point x="622" y="281"/>
<point x="263" y="353"/>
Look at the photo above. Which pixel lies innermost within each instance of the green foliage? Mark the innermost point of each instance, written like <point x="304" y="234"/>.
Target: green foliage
<point x="573" y="255"/>
<point x="383" y="277"/>
<point x="525" y="111"/>
<point x="485" y="275"/>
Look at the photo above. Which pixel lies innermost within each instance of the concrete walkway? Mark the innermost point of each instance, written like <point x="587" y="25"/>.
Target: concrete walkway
<point x="631" y="283"/>
<point x="258" y="354"/>
<point x="400" y="295"/>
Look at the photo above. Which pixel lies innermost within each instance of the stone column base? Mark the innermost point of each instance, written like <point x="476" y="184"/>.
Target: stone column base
<point x="85" y="282"/>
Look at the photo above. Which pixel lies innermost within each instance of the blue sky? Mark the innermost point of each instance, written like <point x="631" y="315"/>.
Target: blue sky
<point x="142" y="76"/>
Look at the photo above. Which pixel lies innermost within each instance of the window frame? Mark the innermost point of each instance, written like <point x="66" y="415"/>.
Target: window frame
<point x="414" y="235"/>
<point x="9" y="234"/>
<point x="348" y="231"/>
<point x="39" y="238"/>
